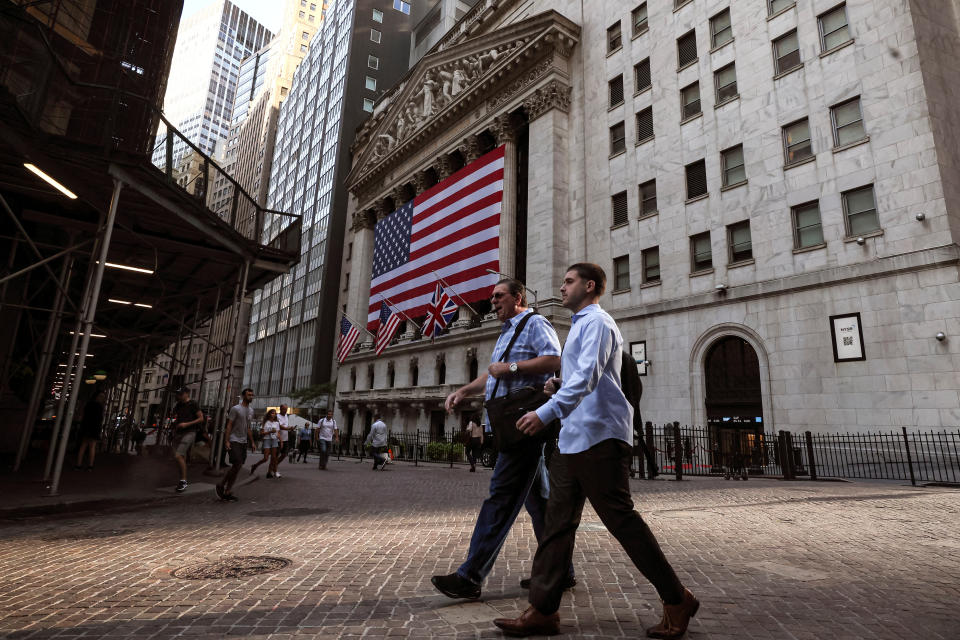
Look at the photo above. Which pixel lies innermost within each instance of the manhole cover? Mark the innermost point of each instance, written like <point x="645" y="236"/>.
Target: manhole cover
<point x="591" y="526"/>
<point x="87" y="535"/>
<point x="292" y="512"/>
<point x="235" y="567"/>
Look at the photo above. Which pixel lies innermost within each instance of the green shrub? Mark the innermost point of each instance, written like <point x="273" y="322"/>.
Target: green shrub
<point x="441" y="451"/>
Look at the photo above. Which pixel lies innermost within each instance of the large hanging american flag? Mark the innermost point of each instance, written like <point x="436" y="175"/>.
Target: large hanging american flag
<point x="451" y="230"/>
<point x="440" y="312"/>
<point x="348" y="337"/>
<point x="389" y="322"/>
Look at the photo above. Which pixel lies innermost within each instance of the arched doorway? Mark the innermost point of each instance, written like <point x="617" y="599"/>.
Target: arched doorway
<point x="734" y="405"/>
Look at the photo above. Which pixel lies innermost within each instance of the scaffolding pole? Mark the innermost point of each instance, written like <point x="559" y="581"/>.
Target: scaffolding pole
<point x="89" y="315"/>
<point x="46" y="357"/>
<point x="226" y="373"/>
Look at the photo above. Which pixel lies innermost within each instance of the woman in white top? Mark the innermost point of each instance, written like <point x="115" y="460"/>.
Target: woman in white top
<point x="271" y="426"/>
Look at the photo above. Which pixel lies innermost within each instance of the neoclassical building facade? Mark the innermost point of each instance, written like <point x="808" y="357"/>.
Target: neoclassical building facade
<point x="770" y="186"/>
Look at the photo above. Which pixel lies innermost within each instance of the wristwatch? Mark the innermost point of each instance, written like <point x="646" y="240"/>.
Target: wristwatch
<point x="514" y="368"/>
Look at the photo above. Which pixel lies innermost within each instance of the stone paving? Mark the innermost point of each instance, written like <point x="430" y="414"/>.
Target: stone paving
<point x="768" y="559"/>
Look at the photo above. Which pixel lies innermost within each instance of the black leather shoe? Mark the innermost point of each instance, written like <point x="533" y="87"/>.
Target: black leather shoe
<point x="453" y="586"/>
<point x="568" y="583"/>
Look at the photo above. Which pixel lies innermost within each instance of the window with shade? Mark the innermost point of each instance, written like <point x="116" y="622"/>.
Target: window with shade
<point x="621" y="273"/>
<point x="614" y="39"/>
<point x="739" y="240"/>
<point x="618" y="206"/>
<point x="847" y="122"/>
<point x="721" y="31"/>
<point x="807" y="229"/>
<point x="860" y="211"/>
<point x="645" y="125"/>
<point x="701" y="252"/>
<point x="786" y="52"/>
<point x="696" y="179"/>
<point x="618" y="140"/>
<point x="690" y="101"/>
<point x="731" y="161"/>
<point x="686" y="50"/>
<point x="725" y="80"/>
<point x="641" y="75"/>
<point x="796" y="142"/>
<point x="615" y="91"/>
<point x="651" y="265"/>
<point x="834" y="30"/>
<point x="648" y="198"/>
<point x="776" y="6"/>
<point x="638" y="17"/>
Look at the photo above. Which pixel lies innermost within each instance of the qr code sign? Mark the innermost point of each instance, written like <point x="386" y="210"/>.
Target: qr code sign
<point x="848" y="341"/>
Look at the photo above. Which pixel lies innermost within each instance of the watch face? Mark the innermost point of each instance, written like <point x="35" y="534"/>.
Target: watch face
<point x="513" y="367"/>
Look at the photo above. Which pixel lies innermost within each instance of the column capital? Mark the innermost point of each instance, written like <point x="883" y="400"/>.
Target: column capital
<point x="504" y="128"/>
<point x="420" y="182"/>
<point x="399" y="195"/>
<point x="470" y="149"/>
<point x="381" y="209"/>
<point x="444" y="166"/>
<point x="365" y="219"/>
<point x="553" y="95"/>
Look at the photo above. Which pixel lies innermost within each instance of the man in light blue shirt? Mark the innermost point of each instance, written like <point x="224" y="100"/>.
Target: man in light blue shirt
<point x="594" y="463"/>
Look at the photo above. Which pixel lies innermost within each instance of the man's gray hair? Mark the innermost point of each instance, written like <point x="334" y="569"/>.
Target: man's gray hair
<point x="516" y="288"/>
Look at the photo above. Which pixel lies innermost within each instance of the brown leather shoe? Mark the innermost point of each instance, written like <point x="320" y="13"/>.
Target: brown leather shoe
<point x="676" y="617"/>
<point x="530" y="623"/>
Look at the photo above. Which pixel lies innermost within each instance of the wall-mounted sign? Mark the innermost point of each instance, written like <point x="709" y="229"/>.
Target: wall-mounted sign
<point x="638" y="351"/>
<point x="847" y="337"/>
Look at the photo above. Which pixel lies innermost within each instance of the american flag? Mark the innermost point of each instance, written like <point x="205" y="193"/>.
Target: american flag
<point x="439" y="312"/>
<point x="389" y="321"/>
<point x="348" y="337"/>
<point x="451" y="230"/>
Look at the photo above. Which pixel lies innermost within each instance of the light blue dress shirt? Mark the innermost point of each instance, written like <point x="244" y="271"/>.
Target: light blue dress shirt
<point x="590" y="403"/>
<point x="538" y="338"/>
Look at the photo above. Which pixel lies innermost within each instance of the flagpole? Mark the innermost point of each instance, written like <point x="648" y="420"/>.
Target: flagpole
<point x="465" y="303"/>
<point x="356" y="324"/>
<point x="395" y="309"/>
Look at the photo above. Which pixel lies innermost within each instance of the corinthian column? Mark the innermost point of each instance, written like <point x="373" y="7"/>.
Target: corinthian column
<point x="362" y="259"/>
<point x="504" y="130"/>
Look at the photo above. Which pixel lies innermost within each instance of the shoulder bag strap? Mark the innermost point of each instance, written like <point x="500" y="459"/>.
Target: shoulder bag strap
<point x="506" y="352"/>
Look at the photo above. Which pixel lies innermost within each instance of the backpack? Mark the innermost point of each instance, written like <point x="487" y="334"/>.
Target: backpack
<point x="632" y="388"/>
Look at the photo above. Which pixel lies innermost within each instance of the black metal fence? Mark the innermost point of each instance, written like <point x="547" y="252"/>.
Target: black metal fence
<point x="419" y="448"/>
<point x="917" y="456"/>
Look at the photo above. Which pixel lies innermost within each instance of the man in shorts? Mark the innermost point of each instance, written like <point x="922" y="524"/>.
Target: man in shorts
<point x="238" y="434"/>
<point x="283" y="450"/>
<point x="187" y="418"/>
<point x="327" y="432"/>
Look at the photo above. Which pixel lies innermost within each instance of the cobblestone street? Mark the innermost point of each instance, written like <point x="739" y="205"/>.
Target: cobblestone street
<point x="768" y="559"/>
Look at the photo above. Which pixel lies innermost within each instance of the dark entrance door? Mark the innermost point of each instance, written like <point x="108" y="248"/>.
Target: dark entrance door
<point x="734" y="407"/>
<point x="436" y="425"/>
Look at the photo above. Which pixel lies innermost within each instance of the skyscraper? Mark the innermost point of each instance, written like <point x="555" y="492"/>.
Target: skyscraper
<point x="204" y="74"/>
<point x="361" y="49"/>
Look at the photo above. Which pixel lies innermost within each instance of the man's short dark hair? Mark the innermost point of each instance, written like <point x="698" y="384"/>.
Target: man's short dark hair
<point x="377" y="416"/>
<point x="516" y="288"/>
<point x="247" y="389"/>
<point x="591" y="271"/>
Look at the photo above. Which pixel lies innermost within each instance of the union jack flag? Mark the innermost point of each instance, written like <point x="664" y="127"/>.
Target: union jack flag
<point x="348" y="337"/>
<point x="389" y="322"/>
<point x="439" y="313"/>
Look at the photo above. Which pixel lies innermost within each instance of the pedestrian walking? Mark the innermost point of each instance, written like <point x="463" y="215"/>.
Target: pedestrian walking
<point x="269" y="431"/>
<point x="518" y="476"/>
<point x="283" y="435"/>
<point x="91" y="424"/>
<point x="377" y="439"/>
<point x="327" y="432"/>
<point x="187" y="419"/>
<point x="304" y="436"/>
<point x="237" y="434"/>
<point x="593" y="464"/>
<point x="474" y="434"/>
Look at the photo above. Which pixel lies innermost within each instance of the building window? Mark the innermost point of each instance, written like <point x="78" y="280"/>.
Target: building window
<point x="786" y="52"/>
<point x="645" y="125"/>
<point x="302" y="14"/>
<point x="834" y="30"/>
<point x="639" y="19"/>
<point x="732" y="166"/>
<point x="618" y="205"/>
<point x="725" y="80"/>
<point x="776" y="6"/>
<point x="614" y="40"/>
<point x="621" y="273"/>
<point x="375" y="36"/>
<point x="617" y="139"/>
<point x="696" y="179"/>
<point x="373" y="62"/>
<point x="690" y="101"/>
<point x="701" y="252"/>
<point x="641" y="75"/>
<point x="310" y="18"/>
<point x="847" y="122"/>
<point x="796" y="142"/>
<point x="738" y="237"/>
<point x="721" y="32"/>
<point x="368" y="105"/>
<point x="615" y="87"/>
<point x="370" y="83"/>
<point x="648" y="198"/>
<point x="651" y="264"/>
<point x="305" y="35"/>
<point x="377" y="15"/>
<point x="860" y="211"/>
<point x="686" y="50"/>
<point x="402" y="6"/>
<point x="807" y="230"/>
<point x="303" y="48"/>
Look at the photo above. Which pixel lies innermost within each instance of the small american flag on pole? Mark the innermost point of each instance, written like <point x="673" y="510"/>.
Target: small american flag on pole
<point x="389" y="322"/>
<point x="451" y="230"/>
<point x="348" y="337"/>
<point x="439" y="313"/>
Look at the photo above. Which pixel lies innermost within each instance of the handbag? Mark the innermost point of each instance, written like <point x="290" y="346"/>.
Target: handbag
<point x="504" y="411"/>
